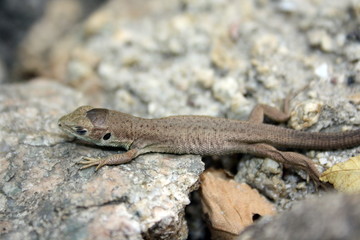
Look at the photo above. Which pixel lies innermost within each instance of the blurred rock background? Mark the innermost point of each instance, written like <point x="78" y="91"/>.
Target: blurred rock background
<point x="17" y="19"/>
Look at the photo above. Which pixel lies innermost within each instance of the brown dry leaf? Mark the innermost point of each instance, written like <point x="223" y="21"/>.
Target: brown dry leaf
<point x="344" y="176"/>
<point x="231" y="206"/>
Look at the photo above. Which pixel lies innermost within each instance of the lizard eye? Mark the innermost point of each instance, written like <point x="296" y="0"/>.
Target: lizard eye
<point x="80" y="130"/>
<point x="107" y="136"/>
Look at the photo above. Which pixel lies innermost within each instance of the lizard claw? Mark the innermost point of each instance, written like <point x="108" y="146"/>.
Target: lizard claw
<point x="89" y="162"/>
<point x="101" y="164"/>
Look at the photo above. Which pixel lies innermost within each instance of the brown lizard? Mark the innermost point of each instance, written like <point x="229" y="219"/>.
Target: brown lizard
<point x="201" y="135"/>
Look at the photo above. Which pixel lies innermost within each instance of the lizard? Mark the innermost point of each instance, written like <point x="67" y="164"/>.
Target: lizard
<point x="201" y="135"/>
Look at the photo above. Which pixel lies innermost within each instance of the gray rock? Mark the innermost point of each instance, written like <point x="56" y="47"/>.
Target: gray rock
<point x="332" y="216"/>
<point x="158" y="58"/>
<point x="44" y="195"/>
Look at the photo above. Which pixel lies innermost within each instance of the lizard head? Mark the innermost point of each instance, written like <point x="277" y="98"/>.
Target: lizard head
<point x="87" y="123"/>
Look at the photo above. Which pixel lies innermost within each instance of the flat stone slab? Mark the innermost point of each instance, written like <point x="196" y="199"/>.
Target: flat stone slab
<point x="44" y="195"/>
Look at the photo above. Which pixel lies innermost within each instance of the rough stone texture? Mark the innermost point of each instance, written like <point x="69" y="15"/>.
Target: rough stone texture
<point x="44" y="195"/>
<point x="209" y="55"/>
<point x="213" y="57"/>
<point x="285" y="186"/>
<point x="332" y="216"/>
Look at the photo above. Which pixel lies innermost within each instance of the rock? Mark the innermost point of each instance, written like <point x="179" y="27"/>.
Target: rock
<point x="320" y="38"/>
<point x="305" y="114"/>
<point x="332" y="216"/>
<point x="322" y="71"/>
<point x="352" y="52"/>
<point x="43" y="192"/>
<point x="159" y="58"/>
<point x="36" y="54"/>
<point x="225" y="89"/>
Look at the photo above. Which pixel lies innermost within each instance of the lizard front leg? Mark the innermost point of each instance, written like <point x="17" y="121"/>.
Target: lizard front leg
<point x="109" y="160"/>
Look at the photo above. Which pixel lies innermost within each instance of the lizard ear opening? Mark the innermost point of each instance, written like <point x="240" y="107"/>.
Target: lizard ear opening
<point x="107" y="136"/>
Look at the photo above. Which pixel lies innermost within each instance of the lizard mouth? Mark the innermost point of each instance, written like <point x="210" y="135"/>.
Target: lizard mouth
<point x="66" y="128"/>
<point x="68" y="134"/>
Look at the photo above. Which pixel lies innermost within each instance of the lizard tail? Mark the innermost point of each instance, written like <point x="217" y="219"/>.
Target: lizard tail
<point x="323" y="141"/>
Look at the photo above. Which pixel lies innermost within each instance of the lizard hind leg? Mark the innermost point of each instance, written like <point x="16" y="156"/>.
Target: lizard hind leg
<point x="289" y="159"/>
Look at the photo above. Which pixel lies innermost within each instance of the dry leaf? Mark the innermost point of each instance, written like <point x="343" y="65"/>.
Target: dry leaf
<point x="344" y="176"/>
<point x="231" y="206"/>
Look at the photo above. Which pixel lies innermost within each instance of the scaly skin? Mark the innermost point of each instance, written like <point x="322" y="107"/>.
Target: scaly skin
<point x="200" y="135"/>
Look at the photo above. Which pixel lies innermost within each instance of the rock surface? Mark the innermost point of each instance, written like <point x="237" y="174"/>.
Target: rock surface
<point x="44" y="195"/>
<point x="332" y="216"/>
<point x="158" y="58"/>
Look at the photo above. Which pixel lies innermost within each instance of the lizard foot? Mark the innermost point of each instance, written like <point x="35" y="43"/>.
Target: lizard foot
<point x="89" y="162"/>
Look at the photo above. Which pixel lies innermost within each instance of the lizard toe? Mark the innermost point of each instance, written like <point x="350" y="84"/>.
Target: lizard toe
<point x="89" y="162"/>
